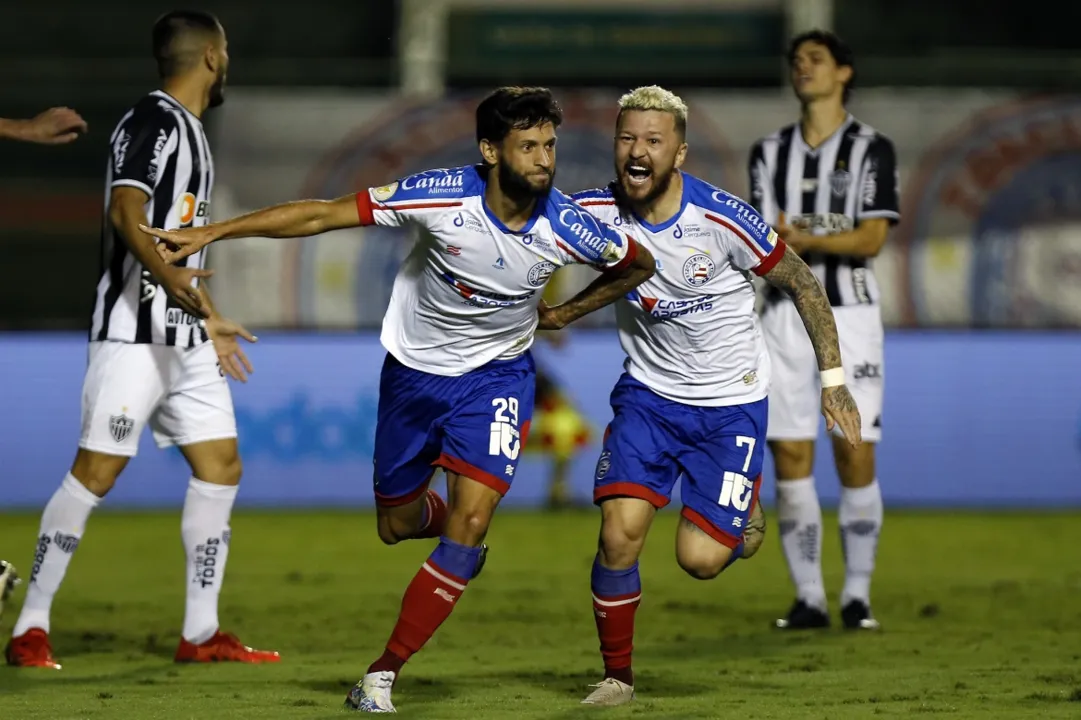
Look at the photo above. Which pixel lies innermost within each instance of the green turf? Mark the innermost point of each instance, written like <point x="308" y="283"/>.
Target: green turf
<point x="982" y="617"/>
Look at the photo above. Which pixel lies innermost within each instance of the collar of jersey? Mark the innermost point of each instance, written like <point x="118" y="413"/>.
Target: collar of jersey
<point x="538" y="208"/>
<point x="175" y="103"/>
<point x="661" y="227"/>
<point x="839" y="131"/>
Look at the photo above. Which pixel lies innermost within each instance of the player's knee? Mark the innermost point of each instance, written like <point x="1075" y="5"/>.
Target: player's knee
<point x="703" y="566"/>
<point x="393" y="527"/>
<point x="468" y="525"/>
<point x="620" y="544"/>
<point x="226" y="471"/>
<point x="385" y="527"/>
<point x="855" y="466"/>
<point x="96" y="471"/>
<point x="792" y="459"/>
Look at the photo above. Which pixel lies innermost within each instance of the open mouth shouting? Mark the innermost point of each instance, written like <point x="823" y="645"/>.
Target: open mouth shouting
<point x="637" y="174"/>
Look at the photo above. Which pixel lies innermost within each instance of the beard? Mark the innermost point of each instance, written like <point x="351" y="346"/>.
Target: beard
<point x="217" y="91"/>
<point x="661" y="182"/>
<point x="519" y="187"/>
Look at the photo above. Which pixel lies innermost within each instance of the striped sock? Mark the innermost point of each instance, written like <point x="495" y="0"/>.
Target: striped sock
<point x="616" y="595"/>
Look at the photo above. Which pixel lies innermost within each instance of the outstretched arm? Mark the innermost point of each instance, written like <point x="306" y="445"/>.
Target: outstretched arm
<point x="300" y="218"/>
<point x="637" y="267"/>
<point x="55" y="126"/>
<point x="792" y="275"/>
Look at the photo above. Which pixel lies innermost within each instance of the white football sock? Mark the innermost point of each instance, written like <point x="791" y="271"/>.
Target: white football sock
<point x="860" y="517"/>
<point x="204" y="529"/>
<point x="62" y="525"/>
<point x="799" y="518"/>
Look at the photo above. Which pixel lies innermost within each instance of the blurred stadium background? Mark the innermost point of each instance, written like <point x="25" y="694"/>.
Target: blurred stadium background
<point x="981" y="282"/>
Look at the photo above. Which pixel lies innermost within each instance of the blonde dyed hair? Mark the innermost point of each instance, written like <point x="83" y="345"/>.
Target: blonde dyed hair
<point x="654" y="97"/>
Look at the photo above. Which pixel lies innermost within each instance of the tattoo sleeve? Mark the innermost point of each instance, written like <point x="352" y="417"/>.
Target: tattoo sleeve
<point x="792" y="276"/>
<point x="610" y="286"/>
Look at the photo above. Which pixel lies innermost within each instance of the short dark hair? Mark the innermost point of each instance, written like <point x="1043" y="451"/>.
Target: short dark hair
<point x="169" y="32"/>
<point x="838" y="48"/>
<point x="515" y="108"/>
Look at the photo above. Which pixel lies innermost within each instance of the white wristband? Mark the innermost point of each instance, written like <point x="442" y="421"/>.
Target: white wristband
<point x="832" y="377"/>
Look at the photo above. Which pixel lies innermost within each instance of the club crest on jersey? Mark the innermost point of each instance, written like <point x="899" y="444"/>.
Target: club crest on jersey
<point x="840" y="179"/>
<point x="120" y="427"/>
<point x="698" y="270"/>
<point x="539" y="273"/>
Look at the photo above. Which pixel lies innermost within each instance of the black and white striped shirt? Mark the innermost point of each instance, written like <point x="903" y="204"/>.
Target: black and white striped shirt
<point x="160" y="148"/>
<point x="849" y="178"/>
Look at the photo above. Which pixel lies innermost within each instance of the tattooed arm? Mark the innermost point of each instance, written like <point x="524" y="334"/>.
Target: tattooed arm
<point x="611" y="285"/>
<point x="792" y="276"/>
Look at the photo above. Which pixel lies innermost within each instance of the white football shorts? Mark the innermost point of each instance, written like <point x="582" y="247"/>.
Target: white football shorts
<point x="795" y="397"/>
<point x="180" y="393"/>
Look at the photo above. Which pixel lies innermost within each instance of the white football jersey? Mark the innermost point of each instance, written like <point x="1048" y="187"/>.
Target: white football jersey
<point x="690" y="332"/>
<point x="468" y="292"/>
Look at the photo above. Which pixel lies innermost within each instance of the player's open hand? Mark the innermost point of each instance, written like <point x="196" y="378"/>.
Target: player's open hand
<point x="223" y="333"/>
<point x="179" y="284"/>
<point x="550" y="318"/>
<point x="839" y="407"/>
<point x="178" y="244"/>
<point x="55" y="126"/>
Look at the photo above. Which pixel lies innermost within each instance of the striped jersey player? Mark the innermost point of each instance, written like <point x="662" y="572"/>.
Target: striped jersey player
<point x="158" y="351"/>
<point x="829" y="183"/>
<point x="456" y="389"/>
<point x="692" y="402"/>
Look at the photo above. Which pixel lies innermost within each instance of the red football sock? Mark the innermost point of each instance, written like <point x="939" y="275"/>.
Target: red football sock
<point x="428" y="601"/>
<point x="615" y="627"/>
<point x="616" y="596"/>
<point x="436" y="516"/>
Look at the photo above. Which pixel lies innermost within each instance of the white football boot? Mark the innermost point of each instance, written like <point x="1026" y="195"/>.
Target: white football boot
<point x="372" y="694"/>
<point x="609" y="693"/>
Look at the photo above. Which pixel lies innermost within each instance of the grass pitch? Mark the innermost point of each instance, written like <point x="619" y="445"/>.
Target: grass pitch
<point x="982" y="618"/>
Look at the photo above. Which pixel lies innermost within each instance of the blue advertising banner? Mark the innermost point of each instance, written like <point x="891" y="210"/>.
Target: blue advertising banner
<point x="971" y="419"/>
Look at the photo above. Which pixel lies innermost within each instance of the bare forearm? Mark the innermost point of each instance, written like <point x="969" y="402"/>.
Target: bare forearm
<point x="865" y="241"/>
<point x="608" y="288"/>
<point x="205" y="292"/>
<point x="12" y="129"/>
<point x="288" y="220"/>
<point x="796" y="279"/>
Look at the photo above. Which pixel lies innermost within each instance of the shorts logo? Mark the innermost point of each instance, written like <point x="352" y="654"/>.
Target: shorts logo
<point x="539" y="273"/>
<point x="604" y="464"/>
<point x="120" y="426"/>
<point x="867" y="371"/>
<point x="698" y="270"/>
